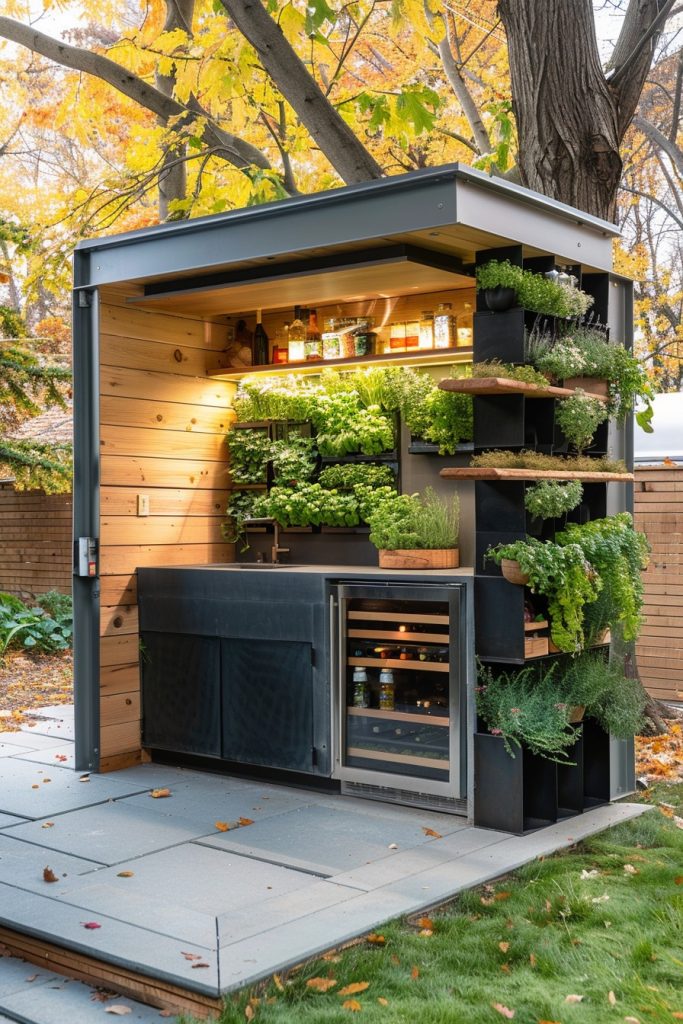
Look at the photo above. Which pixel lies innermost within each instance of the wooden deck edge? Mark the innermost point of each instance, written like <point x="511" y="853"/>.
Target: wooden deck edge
<point x="99" y="973"/>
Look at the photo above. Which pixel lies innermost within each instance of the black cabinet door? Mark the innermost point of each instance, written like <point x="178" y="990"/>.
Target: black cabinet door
<point x="268" y="703"/>
<point x="181" y="693"/>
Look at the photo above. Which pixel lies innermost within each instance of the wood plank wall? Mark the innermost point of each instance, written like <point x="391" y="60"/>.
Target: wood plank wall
<point x="659" y="513"/>
<point x="35" y="548"/>
<point x="162" y="434"/>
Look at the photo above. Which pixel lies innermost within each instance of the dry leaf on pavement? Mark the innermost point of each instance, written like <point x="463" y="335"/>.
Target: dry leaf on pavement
<point x="125" y="874"/>
<point x="432" y="833"/>
<point x="118" y="1009"/>
<point x="49" y="875"/>
<point x="158" y="794"/>
<point x="91" y="925"/>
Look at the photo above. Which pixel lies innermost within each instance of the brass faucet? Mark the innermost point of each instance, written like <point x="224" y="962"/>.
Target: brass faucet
<point x="276" y="550"/>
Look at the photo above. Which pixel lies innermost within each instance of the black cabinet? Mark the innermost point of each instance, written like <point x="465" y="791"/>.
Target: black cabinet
<point x="181" y="693"/>
<point x="267" y="696"/>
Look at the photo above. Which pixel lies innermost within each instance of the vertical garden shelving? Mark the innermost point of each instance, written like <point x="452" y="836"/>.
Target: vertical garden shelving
<point x="525" y="792"/>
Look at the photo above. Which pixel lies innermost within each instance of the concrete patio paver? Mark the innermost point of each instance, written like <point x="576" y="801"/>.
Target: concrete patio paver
<point x="250" y="900"/>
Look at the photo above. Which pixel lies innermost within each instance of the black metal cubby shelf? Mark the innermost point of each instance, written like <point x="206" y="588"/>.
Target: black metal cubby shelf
<point x="521" y="793"/>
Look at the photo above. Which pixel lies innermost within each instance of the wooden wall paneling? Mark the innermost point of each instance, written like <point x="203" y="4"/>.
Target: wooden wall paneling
<point x="162" y="434"/>
<point x="144" y="472"/>
<point x="154" y="385"/>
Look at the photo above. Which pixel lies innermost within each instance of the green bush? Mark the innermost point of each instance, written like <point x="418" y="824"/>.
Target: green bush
<point x="407" y="521"/>
<point x="550" y="499"/>
<point x="535" y="292"/>
<point x="32" y="628"/>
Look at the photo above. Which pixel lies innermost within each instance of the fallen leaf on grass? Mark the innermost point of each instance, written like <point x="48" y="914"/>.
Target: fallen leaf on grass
<point x="573" y="999"/>
<point x="222" y="826"/>
<point x="49" y="875"/>
<point x="503" y="946"/>
<point x="667" y="810"/>
<point x="48" y="824"/>
<point x="382" y="1001"/>
<point x="354" y="988"/>
<point x="611" y="998"/>
<point x="376" y="940"/>
<point x="503" y="1010"/>
<point x="432" y="833"/>
<point x="631" y="1020"/>
<point x="352" y="1004"/>
<point x="118" y="1009"/>
<point x="630" y="870"/>
<point x="425" y="922"/>
<point x="589" y="874"/>
<point x="91" y="925"/>
<point x="549" y="1022"/>
<point x="505" y="968"/>
<point x="600" y="899"/>
<point x="321" y="984"/>
<point x="277" y="981"/>
<point x="426" y="933"/>
<point x="678" y="880"/>
<point x="125" y="874"/>
<point x="678" y="822"/>
<point x="415" y="973"/>
<point x="249" y="1012"/>
<point x="677" y="1015"/>
<point x="533" y="959"/>
<point x="191" y="956"/>
<point x="158" y="794"/>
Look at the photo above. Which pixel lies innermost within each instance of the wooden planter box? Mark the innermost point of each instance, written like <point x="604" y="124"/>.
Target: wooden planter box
<point x="420" y="558"/>
<point x="591" y="385"/>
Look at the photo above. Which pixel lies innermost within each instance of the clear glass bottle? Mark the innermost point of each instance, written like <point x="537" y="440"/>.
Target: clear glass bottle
<point x="412" y="335"/>
<point x="465" y="333"/>
<point x="444" y="327"/>
<point x="297" y="338"/>
<point x="364" y="338"/>
<point x="313" y="348"/>
<point x="426" y="339"/>
<point x="397" y="337"/>
<point x="361" y="690"/>
<point x="386" y="690"/>
<point x="330" y="339"/>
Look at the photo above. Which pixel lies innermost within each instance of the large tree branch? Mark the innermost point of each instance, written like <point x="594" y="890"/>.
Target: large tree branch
<point x="229" y="147"/>
<point x="173" y="177"/>
<point x="633" y="54"/>
<point x="337" y="141"/>
<point x="459" y="87"/>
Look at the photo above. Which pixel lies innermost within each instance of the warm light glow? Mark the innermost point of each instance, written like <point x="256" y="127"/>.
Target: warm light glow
<point x="402" y="629"/>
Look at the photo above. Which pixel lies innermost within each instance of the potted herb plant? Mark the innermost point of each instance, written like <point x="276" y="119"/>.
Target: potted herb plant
<point x="579" y="417"/>
<point x="563" y="575"/>
<point x="524" y="709"/>
<point x="615" y="701"/>
<point x="534" y="292"/>
<point x="550" y="499"/>
<point x="413" y="531"/>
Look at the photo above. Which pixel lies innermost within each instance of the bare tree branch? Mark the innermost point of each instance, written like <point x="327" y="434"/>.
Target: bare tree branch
<point x="660" y="140"/>
<point x="233" y="149"/>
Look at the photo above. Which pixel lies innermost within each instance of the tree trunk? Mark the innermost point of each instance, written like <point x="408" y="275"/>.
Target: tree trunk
<point x="571" y="118"/>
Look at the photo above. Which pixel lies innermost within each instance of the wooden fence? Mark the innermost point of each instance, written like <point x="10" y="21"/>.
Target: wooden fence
<point x="659" y="513"/>
<point x="35" y="542"/>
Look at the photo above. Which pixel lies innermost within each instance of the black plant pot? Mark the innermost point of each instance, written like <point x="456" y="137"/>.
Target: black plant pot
<point x="499" y="299"/>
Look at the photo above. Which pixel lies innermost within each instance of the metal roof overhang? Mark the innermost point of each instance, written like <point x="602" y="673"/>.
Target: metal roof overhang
<point x="452" y="209"/>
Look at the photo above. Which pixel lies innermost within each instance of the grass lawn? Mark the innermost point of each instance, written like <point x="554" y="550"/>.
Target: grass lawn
<point x="601" y="924"/>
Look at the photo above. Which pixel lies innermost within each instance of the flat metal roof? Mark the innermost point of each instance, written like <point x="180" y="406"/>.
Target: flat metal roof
<point x="453" y="208"/>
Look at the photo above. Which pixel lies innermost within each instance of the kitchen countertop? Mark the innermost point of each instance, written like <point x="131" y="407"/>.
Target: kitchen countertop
<point x="328" y="570"/>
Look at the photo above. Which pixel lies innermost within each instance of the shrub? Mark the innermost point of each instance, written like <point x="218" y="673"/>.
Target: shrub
<point x="550" y="499"/>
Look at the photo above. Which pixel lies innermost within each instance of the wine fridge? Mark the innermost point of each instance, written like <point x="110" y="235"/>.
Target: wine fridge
<point x="400" y="694"/>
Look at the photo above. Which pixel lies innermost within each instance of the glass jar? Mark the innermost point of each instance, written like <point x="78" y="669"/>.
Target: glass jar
<point x="444" y="327"/>
<point x="426" y="339"/>
<point x="364" y="338"/>
<point x="412" y="335"/>
<point x="330" y="339"/>
<point x="397" y="337"/>
<point x="465" y="333"/>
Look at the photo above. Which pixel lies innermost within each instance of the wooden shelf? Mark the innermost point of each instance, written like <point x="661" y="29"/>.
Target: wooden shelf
<point x="413" y="664"/>
<point x="380" y="755"/>
<point x="248" y="487"/>
<point x="506" y="386"/>
<point x="530" y="627"/>
<point x="499" y="473"/>
<point x="395" y="634"/>
<point x="424" y="357"/>
<point x="399" y="716"/>
<point x="393" y="616"/>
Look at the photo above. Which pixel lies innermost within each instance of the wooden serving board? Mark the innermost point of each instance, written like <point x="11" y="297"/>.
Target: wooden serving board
<point x="499" y="473"/>
<point x="505" y="386"/>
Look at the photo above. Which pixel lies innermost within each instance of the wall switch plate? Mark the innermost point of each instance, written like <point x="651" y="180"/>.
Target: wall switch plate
<point x="143" y="504"/>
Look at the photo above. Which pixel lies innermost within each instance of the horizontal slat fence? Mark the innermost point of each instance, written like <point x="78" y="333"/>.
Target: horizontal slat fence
<point x="658" y="509"/>
<point x="35" y="542"/>
<point x="162" y="434"/>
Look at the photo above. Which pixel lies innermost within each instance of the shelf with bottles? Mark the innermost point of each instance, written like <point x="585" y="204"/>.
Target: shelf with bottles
<point x="413" y="665"/>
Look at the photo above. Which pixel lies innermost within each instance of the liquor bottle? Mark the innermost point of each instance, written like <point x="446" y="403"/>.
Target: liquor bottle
<point x="444" y="333"/>
<point x="313" y="343"/>
<point x="464" y="331"/>
<point x="260" y="343"/>
<point x="297" y="338"/>
<point x="386" y="690"/>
